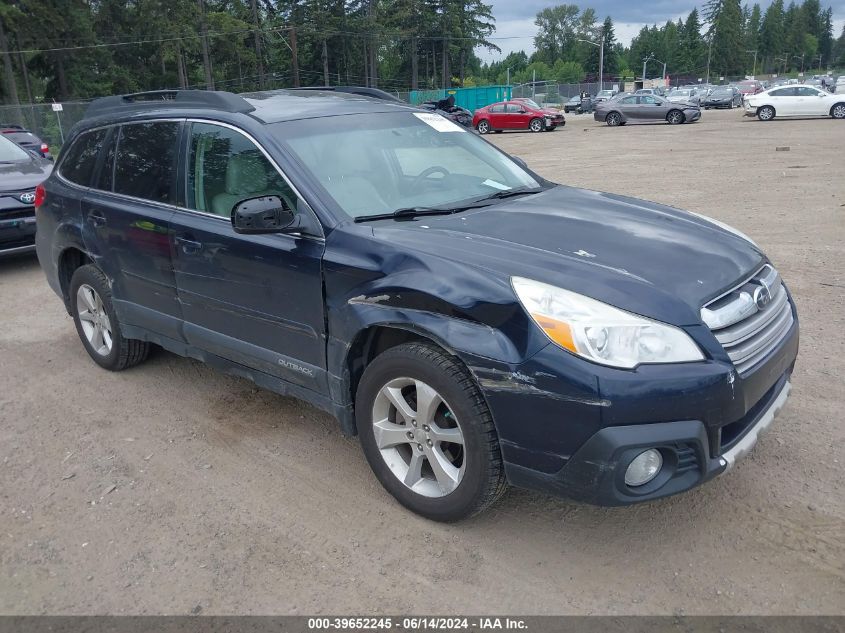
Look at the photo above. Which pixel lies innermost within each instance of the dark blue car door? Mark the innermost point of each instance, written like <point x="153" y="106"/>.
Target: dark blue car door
<point x="126" y="219"/>
<point x="256" y="300"/>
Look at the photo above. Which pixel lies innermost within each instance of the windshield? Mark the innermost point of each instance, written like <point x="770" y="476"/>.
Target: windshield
<point x="533" y="104"/>
<point x="373" y="164"/>
<point x="722" y="93"/>
<point x="9" y="152"/>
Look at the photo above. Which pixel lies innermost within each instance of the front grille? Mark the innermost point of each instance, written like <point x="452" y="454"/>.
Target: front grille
<point x="750" y="320"/>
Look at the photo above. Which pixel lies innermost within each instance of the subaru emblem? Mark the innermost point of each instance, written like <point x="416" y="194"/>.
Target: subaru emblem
<point x="762" y="297"/>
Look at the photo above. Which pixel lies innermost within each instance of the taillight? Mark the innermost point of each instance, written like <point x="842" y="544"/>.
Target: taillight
<point x="44" y="148"/>
<point x="40" y="195"/>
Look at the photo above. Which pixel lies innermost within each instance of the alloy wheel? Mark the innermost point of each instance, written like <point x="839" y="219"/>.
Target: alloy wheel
<point x="675" y="118"/>
<point x="613" y="119"/>
<point x="839" y="111"/>
<point x="536" y="125"/>
<point x="419" y="437"/>
<point x="483" y="127"/>
<point x="94" y="320"/>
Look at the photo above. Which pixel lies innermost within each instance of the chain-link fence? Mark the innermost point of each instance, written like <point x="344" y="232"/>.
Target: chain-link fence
<point x="555" y="94"/>
<point x="51" y="125"/>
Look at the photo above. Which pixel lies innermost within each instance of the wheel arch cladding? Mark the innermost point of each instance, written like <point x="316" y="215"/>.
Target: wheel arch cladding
<point x="70" y="259"/>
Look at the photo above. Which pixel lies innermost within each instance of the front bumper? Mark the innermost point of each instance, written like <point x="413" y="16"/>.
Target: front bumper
<point x="17" y="230"/>
<point x="585" y="419"/>
<point x="596" y="473"/>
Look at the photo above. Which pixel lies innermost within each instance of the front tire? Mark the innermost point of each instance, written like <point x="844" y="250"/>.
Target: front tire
<point x="97" y="323"/>
<point x="838" y="111"/>
<point x="483" y="127"/>
<point x="766" y="113"/>
<point x="535" y="125"/>
<point x="427" y="433"/>
<point x="675" y="117"/>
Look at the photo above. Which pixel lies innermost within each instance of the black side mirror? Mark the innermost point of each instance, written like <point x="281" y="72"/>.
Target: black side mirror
<point x="268" y="214"/>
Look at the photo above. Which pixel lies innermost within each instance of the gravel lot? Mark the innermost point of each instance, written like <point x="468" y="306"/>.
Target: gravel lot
<point x="171" y="489"/>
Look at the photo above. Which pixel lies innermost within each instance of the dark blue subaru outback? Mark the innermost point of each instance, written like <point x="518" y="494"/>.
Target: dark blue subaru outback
<point x="475" y="324"/>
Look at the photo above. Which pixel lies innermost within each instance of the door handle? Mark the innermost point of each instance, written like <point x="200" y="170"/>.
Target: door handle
<point x="96" y="217"/>
<point x="188" y="246"/>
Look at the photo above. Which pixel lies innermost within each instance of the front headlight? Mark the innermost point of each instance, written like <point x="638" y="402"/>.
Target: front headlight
<point x="599" y="332"/>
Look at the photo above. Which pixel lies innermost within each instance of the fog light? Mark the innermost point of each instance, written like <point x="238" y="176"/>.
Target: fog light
<point x="644" y="468"/>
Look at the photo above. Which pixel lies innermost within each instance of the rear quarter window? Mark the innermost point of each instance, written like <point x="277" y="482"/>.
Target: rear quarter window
<point x="145" y="161"/>
<point x="78" y="163"/>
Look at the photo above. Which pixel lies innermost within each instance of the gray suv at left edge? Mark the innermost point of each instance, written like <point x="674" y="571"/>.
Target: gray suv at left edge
<point x="21" y="172"/>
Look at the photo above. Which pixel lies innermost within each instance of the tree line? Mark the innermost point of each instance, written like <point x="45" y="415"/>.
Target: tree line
<point x="76" y="49"/>
<point x="723" y="39"/>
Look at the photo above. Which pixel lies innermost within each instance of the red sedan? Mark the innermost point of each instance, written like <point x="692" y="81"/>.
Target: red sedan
<point x="517" y="114"/>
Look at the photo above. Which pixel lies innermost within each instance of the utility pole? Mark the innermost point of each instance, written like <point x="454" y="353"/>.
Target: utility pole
<point x="645" y="62"/>
<point x="754" y="69"/>
<point x="601" y="59"/>
<point x="294" y="57"/>
<point x="206" y="58"/>
<point x="709" y="55"/>
<point x="257" y="33"/>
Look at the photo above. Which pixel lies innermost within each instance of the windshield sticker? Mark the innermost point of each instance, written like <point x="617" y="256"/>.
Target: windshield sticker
<point x="439" y="123"/>
<point x="495" y="185"/>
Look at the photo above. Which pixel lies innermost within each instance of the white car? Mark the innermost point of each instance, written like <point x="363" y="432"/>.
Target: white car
<point x="794" y="101"/>
<point x="684" y="95"/>
<point x="840" y="85"/>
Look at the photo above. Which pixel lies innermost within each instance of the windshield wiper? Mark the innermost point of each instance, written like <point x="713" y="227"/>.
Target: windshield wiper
<point x="406" y="212"/>
<point x="507" y="193"/>
<point x="415" y="212"/>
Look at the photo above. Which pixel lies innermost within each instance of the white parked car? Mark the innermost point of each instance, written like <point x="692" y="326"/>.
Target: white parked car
<point x="684" y="95"/>
<point x="840" y="85"/>
<point x="794" y="101"/>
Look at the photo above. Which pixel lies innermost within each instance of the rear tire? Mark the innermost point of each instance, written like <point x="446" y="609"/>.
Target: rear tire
<point x="838" y="111"/>
<point x="535" y="125"/>
<point x="97" y="323"/>
<point x="483" y="127"/>
<point x="766" y="113"/>
<point x="613" y="119"/>
<point x="405" y="447"/>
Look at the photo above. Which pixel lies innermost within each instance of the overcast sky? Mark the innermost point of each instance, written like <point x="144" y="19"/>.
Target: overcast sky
<point x="515" y="19"/>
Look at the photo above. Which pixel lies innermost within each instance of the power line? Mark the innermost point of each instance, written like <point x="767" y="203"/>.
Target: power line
<point x="397" y="35"/>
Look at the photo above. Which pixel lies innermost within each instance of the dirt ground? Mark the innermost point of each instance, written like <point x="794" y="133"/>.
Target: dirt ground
<point x="171" y="488"/>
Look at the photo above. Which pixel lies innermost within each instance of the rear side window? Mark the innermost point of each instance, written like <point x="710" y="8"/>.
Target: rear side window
<point x="783" y="92"/>
<point x="145" y="162"/>
<point x="78" y="164"/>
<point x="498" y="108"/>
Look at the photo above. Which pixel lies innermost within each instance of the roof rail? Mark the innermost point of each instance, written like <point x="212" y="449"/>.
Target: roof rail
<point x="209" y="99"/>
<point x="363" y="91"/>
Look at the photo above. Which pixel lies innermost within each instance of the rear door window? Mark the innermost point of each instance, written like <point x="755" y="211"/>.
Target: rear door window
<point x="145" y="161"/>
<point x="78" y="164"/>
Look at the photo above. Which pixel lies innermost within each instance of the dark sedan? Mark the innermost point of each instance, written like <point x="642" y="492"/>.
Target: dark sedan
<point x="20" y="172"/>
<point x="724" y="97"/>
<point x="638" y="108"/>
<point x="26" y="139"/>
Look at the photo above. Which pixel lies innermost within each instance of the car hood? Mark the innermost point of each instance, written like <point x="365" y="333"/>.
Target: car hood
<point x="640" y="256"/>
<point x="24" y="174"/>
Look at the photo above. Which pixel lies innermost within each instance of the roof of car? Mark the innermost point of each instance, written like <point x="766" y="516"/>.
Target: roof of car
<point x="266" y="106"/>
